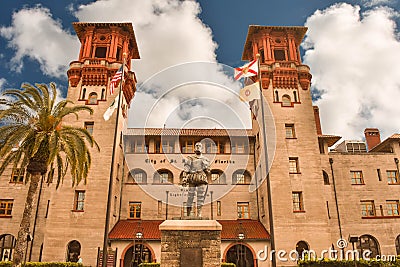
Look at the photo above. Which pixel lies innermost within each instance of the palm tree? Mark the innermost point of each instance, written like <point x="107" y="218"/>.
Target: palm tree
<point x="34" y="139"/>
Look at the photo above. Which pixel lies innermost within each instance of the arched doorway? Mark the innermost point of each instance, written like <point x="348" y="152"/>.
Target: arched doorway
<point x="7" y="244"/>
<point x="133" y="258"/>
<point x="241" y="255"/>
<point x="302" y="248"/>
<point x="368" y="242"/>
<point x="73" y="251"/>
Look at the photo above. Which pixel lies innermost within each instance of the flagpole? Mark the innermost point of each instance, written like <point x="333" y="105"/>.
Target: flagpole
<point x="110" y="183"/>
<point x="271" y="220"/>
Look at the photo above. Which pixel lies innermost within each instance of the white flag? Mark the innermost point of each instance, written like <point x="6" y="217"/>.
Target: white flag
<point x="250" y="92"/>
<point x="107" y="115"/>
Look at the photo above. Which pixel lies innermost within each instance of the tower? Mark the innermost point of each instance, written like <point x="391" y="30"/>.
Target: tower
<point x="77" y="215"/>
<point x="295" y="173"/>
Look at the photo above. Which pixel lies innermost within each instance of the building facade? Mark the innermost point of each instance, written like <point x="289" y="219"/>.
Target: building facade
<point x="311" y="197"/>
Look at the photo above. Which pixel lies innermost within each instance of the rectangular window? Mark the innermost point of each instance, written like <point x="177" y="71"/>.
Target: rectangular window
<point x="159" y="207"/>
<point x="243" y="210"/>
<point x="17" y="176"/>
<point x="187" y="146"/>
<point x="140" y="146"/>
<point x="47" y="208"/>
<point x="393" y="177"/>
<point x="218" y="208"/>
<point x="262" y="206"/>
<point x="89" y="126"/>
<point x="293" y="165"/>
<point x="240" y="179"/>
<point x="379" y="174"/>
<point x="368" y="208"/>
<point x="138" y="176"/>
<point x="289" y="129"/>
<point x="392" y="207"/>
<point x="115" y="205"/>
<point x="168" y="146"/>
<point x="297" y="198"/>
<point x="240" y="147"/>
<point x="279" y="55"/>
<point x="6" y="206"/>
<point x="135" y="210"/>
<point x="356" y="177"/>
<point x="79" y="200"/>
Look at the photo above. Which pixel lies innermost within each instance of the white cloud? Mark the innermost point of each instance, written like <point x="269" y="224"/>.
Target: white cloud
<point x="170" y="33"/>
<point x="34" y="34"/>
<point x="2" y="83"/>
<point x="370" y="3"/>
<point x="353" y="57"/>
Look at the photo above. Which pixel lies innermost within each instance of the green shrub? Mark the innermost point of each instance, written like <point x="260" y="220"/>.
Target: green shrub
<point x="226" y="264"/>
<point x="154" y="264"/>
<point x="43" y="264"/>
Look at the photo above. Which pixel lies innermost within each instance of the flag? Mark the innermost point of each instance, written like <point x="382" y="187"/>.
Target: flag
<point x="250" y="92"/>
<point x="115" y="80"/>
<point x="111" y="108"/>
<point x="250" y="69"/>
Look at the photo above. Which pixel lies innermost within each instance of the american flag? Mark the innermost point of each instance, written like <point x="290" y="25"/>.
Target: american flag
<point x="115" y="80"/>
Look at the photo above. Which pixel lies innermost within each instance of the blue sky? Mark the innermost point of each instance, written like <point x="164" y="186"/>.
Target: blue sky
<point x="352" y="47"/>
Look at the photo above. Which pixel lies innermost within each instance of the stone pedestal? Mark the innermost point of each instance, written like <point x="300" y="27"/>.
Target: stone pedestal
<point x="194" y="243"/>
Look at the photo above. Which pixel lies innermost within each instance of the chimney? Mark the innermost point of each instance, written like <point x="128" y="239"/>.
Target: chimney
<point x="317" y="120"/>
<point x="372" y="136"/>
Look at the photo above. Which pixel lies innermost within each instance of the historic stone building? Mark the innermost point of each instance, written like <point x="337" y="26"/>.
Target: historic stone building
<point x="312" y="197"/>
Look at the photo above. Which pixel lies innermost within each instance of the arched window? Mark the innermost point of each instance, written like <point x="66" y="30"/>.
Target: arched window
<point x="241" y="177"/>
<point x="218" y="177"/>
<point x="137" y="176"/>
<point x="83" y="93"/>
<point x="326" y="177"/>
<point x="276" y="96"/>
<point x="163" y="176"/>
<point x="103" y="94"/>
<point x="93" y="98"/>
<point x="368" y="242"/>
<point x="286" y="102"/>
<point x="7" y="244"/>
<point x="295" y="96"/>
<point x="73" y="251"/>
<point x="397" y="243"/>
<point x="302" y="248"/>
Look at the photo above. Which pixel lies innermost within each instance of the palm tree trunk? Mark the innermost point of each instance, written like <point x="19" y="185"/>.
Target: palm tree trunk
<point x="21" y="244"/>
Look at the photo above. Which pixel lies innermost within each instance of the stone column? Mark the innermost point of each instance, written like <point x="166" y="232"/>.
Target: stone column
<point x="195" y="243"/>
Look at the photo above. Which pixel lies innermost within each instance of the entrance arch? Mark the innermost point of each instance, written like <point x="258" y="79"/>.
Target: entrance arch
<point x="142" y="253"/>
<point x="240" y="254"/>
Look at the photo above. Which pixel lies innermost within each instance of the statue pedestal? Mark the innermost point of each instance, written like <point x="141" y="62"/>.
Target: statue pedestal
<point x="195" y="243"/>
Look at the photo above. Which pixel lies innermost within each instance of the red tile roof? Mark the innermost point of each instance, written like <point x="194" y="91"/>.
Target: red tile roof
<point x="384" y="145"/>
<point x="127" y="229"/>
<point x="188" y="132"/>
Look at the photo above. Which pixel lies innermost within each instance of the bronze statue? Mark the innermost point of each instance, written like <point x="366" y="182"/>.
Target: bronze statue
<point x="196" y="170"/>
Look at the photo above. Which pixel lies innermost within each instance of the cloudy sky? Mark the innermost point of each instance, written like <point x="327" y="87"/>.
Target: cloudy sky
<point x="352" y="48"/>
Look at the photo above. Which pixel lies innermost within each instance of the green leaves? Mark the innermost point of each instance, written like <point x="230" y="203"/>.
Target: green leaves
<point x="33" y="134"/>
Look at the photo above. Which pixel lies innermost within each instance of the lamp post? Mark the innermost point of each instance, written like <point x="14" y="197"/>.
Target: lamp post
<point x="137" y="260"/>
<point x="241" y="251"/>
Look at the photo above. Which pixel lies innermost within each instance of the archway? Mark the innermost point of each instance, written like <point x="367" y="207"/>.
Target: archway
<point x="142" y="253"/>
<point x="368" y="242"/>
<point x="73" y="251"/>
<point x="7" y="244"/>
<point x="241" y="255"/>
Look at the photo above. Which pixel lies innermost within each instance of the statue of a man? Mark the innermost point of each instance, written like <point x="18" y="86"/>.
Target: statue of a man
<point x="195" y="172"/>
